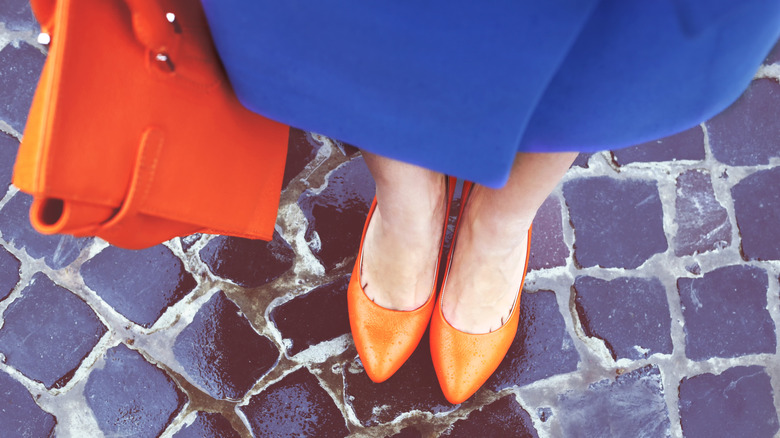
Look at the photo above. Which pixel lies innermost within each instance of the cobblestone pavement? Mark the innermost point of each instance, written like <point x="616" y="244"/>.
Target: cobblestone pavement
<point x="650" y="308"/>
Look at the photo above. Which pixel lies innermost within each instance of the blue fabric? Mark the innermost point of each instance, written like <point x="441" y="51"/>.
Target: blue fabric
<point x="460" y="87"/>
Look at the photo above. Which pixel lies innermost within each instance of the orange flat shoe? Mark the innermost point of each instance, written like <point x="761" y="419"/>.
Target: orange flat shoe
<point x="464" y="361"/>
<point x="385" y="338"/>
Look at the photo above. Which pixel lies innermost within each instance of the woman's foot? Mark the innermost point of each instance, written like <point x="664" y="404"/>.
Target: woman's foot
<point x="402" y="243"/>
<point x="486" y="272"/>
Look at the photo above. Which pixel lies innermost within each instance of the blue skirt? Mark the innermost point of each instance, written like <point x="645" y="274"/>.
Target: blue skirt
<point x="461" y="87"/>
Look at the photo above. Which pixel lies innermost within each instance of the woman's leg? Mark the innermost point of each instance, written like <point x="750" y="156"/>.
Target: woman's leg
<point x="402" y="241"/>
<point x="487" y="267"/>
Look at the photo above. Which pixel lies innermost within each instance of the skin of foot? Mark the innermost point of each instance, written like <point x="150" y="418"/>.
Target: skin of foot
<point x="487" y="267"/>
<point x="401" y="249"/>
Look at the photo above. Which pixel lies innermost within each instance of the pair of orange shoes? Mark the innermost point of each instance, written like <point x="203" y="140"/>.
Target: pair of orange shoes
<point x="385" y="338"/>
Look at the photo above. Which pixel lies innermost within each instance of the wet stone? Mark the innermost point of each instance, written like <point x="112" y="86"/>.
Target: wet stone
<point x="295" y="406"/>
<point x="504" y="417"/>
<point x="19" y="415"/>
<point x="582" y="160"/>
<point x="774" y="55"/>
<point x="56" y="250"/>
<point x="725" y="313"/>
<point x="19" y="71"/>
<point x="631" y="406"/>
<point x="248" y="262"/>
<point x="318" y="316"/>
<point x="301" y="149"/>
<point x="131" y="397"/>
<point x="208" y="425"/>
<point x="17" y="15"/>
<point x="757" y="209"/>
<point x="631" y="315"/>
<point x="617" y="223"/>
<point x="220" y="351"/>
<point x="544" y="414"/>
<point x="9" y="273"/>
<point x="542" y="347"/>
<point x="547" y="246"/>
<point x="747" y="132"/>
<point x="702" y="223"/>
<point x="738" y="402"/>
<point x="336" y="214"/>
<point x="140" y="284"/>
<point x="408" y="432"/>
<point x="48" y="332"/>
<point x="8" y="148"/>
<point x="687" y="145"/>
<point x="413" y="387"/>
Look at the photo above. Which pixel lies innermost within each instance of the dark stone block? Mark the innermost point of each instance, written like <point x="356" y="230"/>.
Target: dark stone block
<point x="747" y="132"/>
<point x="337" y="213"/>
<point x="408" y="432"/>
<point x="687" y="145"/>
<point x="131" y="397"/>
<point x="19" y="71"/>
<point x="702" y="223"/>
<point x="318" y="316"/>
<point x="757" y="208"/>
<point x="8" y="149"/>
<point x="48" y="332"/>
<point x="19" y="415"/>
<point x="138" y="284"/>
<point x="737" y="402"/>
<point x="547" y="246"/>
<point x="301" y="148"/>
<point x="774" y="55"/>
<point x="9" y="273"/>
<point x="208" y="425"/>
<point x="295" y="406"/>
<point x="544" y="414"/>
<point x="725" y="313"/>
<point x="631" y="315"/>
<point x="582" y="160"/>
<point x="17" y="15"/>
<point x="247" y="262"/>
<point x="617" y="223"/>
<point x="504" y="417"/>
<point x="541" y="348"/>
<point x="413" y="387"/>
<point x="221" y="352"/>
<point x="633" y="405"/>
<point x="56" y="250"/>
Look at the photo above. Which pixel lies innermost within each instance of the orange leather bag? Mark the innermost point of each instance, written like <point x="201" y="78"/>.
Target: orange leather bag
<point x="135" y="135"/>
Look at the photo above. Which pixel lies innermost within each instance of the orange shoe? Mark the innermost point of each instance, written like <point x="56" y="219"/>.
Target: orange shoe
<point x="385" y="338"/>
<point x="464" y="361"/>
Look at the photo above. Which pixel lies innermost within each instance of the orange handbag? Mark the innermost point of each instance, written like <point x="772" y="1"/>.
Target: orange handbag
<point x="135" y="135"/>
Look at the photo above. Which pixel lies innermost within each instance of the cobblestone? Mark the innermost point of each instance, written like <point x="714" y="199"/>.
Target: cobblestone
<point x="48" y="332"/>
<point x="630" y="315"/>
<point x="301" y="320"/>
<point x="687" y="145"/>
<point x="737" y="402"/>
<point x="248" y="263"/>
<point x="757" y="208"/>
<point x="617" y="223"/>
<point x="131" y="397"/>
<point x="113" y="275"/>
<point x="295" y="406"/>
<point x="650" y="308"/>
<point x="726" y="313"/>
<point x="221" y="353"/>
